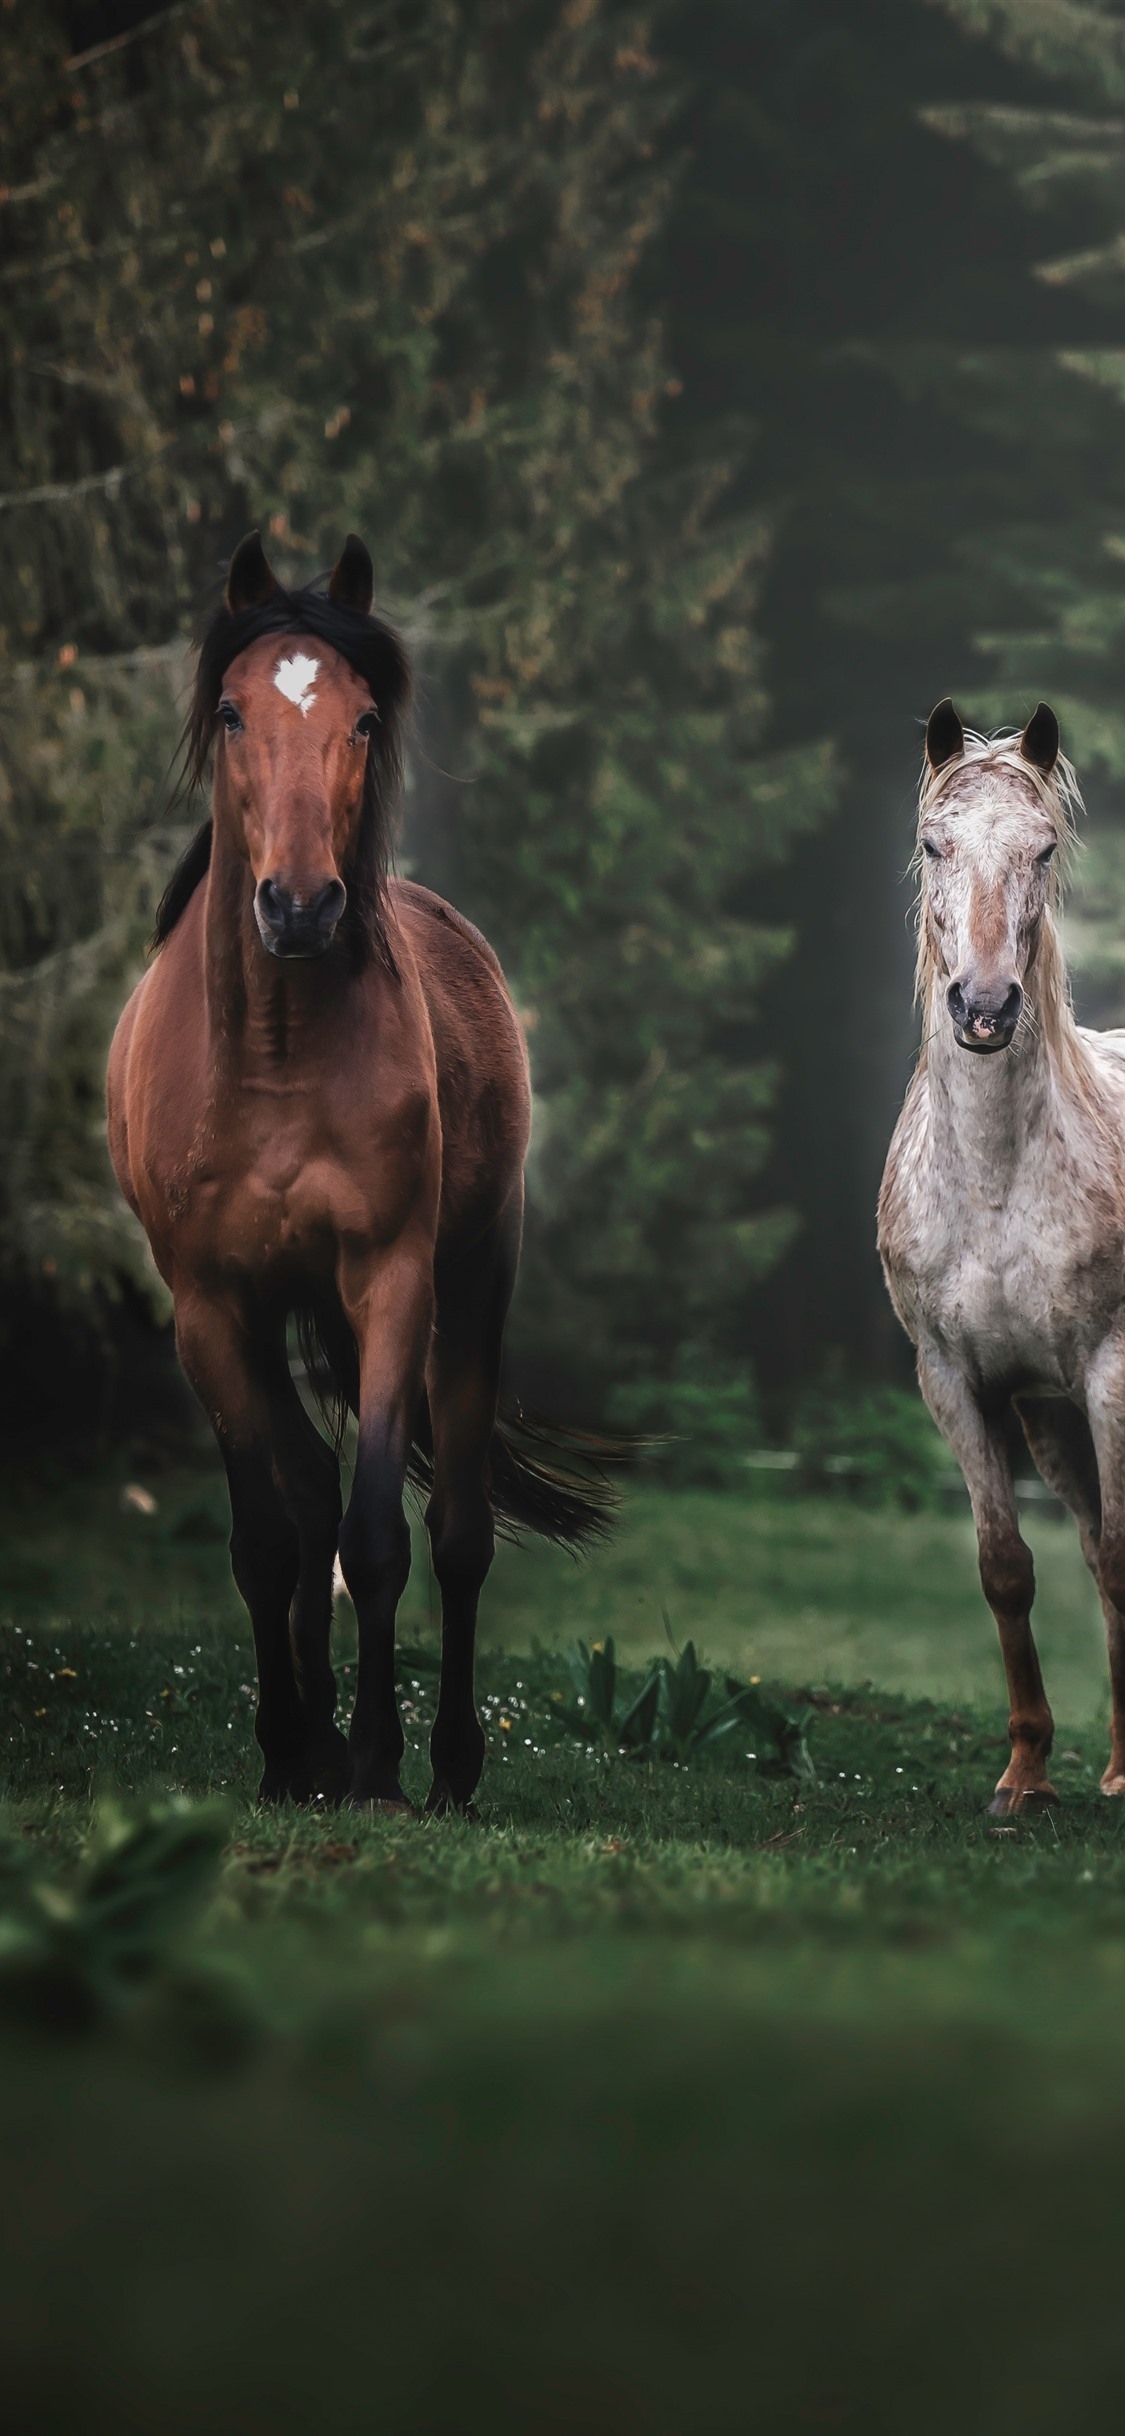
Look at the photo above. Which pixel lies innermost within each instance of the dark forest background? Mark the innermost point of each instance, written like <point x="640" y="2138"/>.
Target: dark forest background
<point x="716" y="386"/>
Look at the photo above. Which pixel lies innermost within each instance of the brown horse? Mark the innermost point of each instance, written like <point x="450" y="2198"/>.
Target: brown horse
<point x="319" y="1106"/>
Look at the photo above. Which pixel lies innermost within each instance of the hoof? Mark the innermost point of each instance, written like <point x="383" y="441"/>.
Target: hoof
<point x="443" y="1803"/>
<point x="320" y="1774"/>
<point x="1113" y="1783"/>
<point x="272" y="1792"/>
<point x="392" y="1803"/>
<point x="1009" y="1799"/>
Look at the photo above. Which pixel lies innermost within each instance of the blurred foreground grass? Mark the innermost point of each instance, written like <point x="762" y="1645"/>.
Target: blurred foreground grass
<point x="660" y="2098"/>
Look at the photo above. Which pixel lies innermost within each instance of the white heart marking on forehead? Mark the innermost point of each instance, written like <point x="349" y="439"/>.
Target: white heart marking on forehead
<point x="295" y="679"/>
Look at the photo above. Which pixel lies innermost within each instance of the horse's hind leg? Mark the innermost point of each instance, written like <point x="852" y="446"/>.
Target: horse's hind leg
<point x="463" y="1384"/>
<point x="1062" y="1447"/>
<point x="1006" y="1571"/>
<point x="242" y="1382"/>
<point x="1105" y="1404"/>
<point x="1062" y="1450"/>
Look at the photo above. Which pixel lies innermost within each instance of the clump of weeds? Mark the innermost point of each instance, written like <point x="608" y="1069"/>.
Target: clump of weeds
<point x="681" y="1711"/>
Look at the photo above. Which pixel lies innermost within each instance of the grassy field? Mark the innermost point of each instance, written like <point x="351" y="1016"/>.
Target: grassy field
<point x="659" y="2098"/>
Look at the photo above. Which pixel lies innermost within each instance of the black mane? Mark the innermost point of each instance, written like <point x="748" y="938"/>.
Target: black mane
<point x="376" y="654"/>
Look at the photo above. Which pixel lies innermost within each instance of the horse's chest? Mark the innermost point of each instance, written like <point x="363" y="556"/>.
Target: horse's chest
<point x="284" y="1190"/>
<point x="276" y="1214"/>
<point x="1007" y="1311"/>
<point x="1007" y="1292"/>
<point x="280" y="1213"/>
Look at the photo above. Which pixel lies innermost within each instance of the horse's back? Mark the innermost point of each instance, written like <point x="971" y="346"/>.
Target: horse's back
<point x="1108" y="1049"/>
<point x="411" y="899"/>
<point x="462" y="980"/>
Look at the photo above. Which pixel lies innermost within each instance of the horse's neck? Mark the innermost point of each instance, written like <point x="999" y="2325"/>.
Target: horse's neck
<point x="265" y="1016"/>
<point x="991" y="1115"/>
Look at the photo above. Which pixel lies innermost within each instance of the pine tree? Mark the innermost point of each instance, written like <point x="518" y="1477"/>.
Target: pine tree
<point x="1063" y="562"/>
<point x="893" y="263"/>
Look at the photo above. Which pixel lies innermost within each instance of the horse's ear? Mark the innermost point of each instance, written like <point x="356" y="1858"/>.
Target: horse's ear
<point x="351" y="584"/>
<point x="250" y="578"/>
<point x="1039" y="742"/>
<point x="945" y="735"/>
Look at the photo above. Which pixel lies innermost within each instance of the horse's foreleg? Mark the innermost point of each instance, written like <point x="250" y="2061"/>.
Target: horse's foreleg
<point x="1113" y="1608"/>
<point x="1105" y="1406"/>
<point x="463" y="1382"/>
<point x="216" y="1352"/>
<point x="390" y="1315"/>
<point x="308" y="1475"/>
<point x="1006" y="1571"/>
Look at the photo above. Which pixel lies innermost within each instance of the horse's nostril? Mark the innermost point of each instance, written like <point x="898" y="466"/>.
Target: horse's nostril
<point x="325" y="910"/>
<point x="293" y="923"/>
<point x="985" y="1010"/>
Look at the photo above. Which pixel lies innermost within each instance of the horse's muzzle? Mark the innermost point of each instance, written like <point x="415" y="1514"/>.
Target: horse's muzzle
<point x="298" y="927"/>
<point x="984" y="1021"/>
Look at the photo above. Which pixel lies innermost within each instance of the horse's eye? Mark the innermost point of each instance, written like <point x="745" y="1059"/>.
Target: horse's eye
<point x="367" y="723"/>
<point x="231" y="718"/>
<point x="1046" y="857"/>
<point x="929" y="848"/>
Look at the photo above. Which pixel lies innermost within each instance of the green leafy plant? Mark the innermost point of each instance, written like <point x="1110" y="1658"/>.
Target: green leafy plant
<point x="679" y="1713"/>
<point x="71" y="1955"/>
<point x="693" y="1716"/>
<point x="598" y="1713"/>
<point x="780" y="1736"/>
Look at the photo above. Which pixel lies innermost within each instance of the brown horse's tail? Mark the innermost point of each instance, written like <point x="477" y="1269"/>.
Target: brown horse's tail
<point x="543" y="1476"/>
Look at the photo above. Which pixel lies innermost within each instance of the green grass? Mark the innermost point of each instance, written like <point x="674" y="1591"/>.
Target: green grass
<point x="819" y="1590"/>
<point x="659" y="2098"/>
